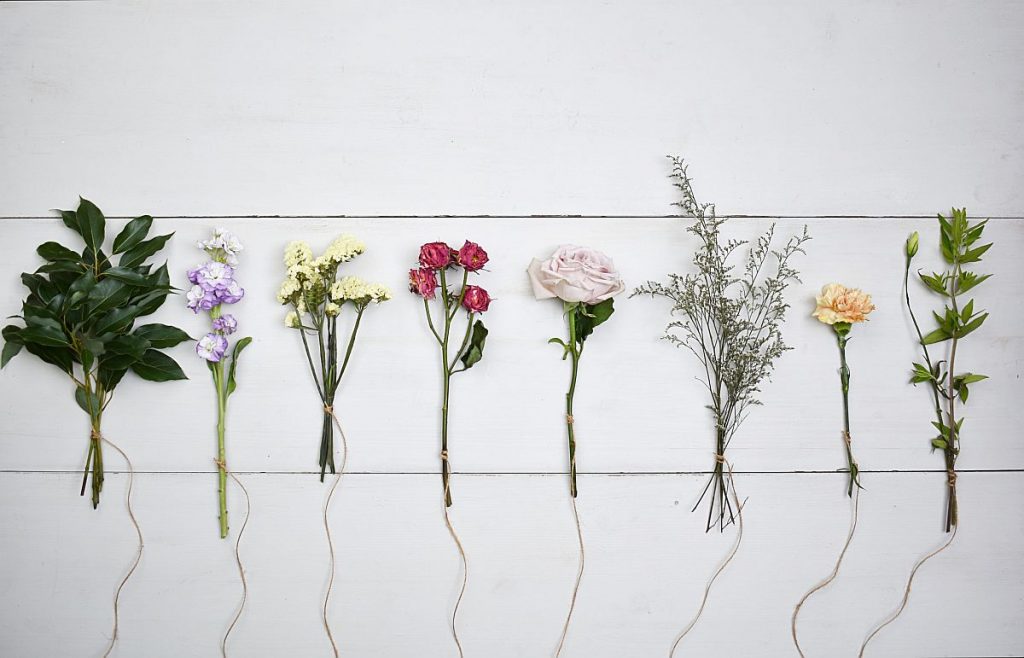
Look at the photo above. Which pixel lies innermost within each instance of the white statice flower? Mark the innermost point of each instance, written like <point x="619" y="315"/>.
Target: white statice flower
<point x="297" y="253"/>
<point x="223" y="246"/>
<point x="379" y="292"/>
<point x="332" y="309"/>
<point x="344" y="249"/>
<point x="291" y="320"/>
<point x="288" y="290"/>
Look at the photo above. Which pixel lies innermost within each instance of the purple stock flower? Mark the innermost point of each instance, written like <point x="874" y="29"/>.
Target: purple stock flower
<point x="225" y="324"/>
<point x="229" y="294"/>
<point x="200" y="299"/>
<point x="216" y="276"/>
<point x="212" y="347"/>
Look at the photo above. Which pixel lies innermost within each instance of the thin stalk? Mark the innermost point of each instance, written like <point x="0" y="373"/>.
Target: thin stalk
<point x="570" y="394"/>
<point x="222" y="499"/>
<point x="920" y="340"/>
<point x="950" y="451"/>
<point x="844" y="379"/>
<point x="445" y="474"/>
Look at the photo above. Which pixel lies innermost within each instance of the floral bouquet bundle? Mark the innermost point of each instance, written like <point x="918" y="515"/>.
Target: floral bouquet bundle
<point x="213" y="287"/>
<point x="840" y="308"/>
<point x="80" y="317"/>
<point x="317" y="297"/>
<point x="585" y="280"/>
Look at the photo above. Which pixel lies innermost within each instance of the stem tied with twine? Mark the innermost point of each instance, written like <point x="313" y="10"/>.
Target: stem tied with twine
<point x="720" y="459"/>
<point x="329" y="410"/>
<point x="223" y="468"/>
<point x="97" y="437"/>
<point x="462" y="553"/>
<point x="910" y="581"/>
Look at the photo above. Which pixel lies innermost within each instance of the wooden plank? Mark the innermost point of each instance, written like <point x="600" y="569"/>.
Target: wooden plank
<point x="796" y="107"/>
<point x="398" y="570"/>
<point x="640" y="408"/>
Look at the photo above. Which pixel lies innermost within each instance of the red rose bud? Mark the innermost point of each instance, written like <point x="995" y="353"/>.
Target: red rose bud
<point x="435" y="255"/>
<point x="472" y="256"/>
<point x="422" y="282"/>
<point x="476" y="299"/>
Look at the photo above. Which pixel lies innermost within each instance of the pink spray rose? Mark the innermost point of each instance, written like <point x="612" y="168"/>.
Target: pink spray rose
<point x="575" y="275"/>
<point x="472" y="256"/>
<point x="423" y="282"/>
<point x="436" y="256"/>
<point x="476" y="299"/>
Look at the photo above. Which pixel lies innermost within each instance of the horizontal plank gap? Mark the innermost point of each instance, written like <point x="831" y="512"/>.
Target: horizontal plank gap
<point x="516" y="473"/>
<point x="530" y="216"/>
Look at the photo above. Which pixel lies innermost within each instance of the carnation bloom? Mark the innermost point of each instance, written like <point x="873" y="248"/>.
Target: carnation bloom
<point x="423" y="282"/>
<point x="212" y="347"/>
<point x="475" y="299"/>
<point x="435" y="255"/>
<point x="575" y="275"/>
<point x="472" y="256"/>
<point x="837" y="303"/>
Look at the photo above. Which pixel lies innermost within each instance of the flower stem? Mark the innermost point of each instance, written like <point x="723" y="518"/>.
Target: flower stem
<point x="222" y="404"/>
<point x="445" y="471"/>
<point x="570" y="394"/>
<point x="844" y="380"/>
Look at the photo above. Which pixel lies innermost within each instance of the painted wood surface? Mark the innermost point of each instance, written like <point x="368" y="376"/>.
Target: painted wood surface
<point x="379" y="120"/>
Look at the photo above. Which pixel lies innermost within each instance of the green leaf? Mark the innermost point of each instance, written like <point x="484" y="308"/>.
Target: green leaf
<point x="53" y="251"/>
<point x="962" y="392"/>
<point x="972" y="325"/>
<point x="62" y="357"/>
<point x="475" y="351"/>
<point x="117" y="320"/>
<point x="974" y="255"/>
<point x="45" y="336"/>
<point x="78" y="291"/>
<point x="107" y="294"/>
<point x="12" y="343"/>
<point x="139" y="253"/>
<point x="110" y="377"/>
<point x="124" y="351"/>
<point x="89" y="403"/>
<point x="91" y="224"/>
<point x="149" y="302"/>
<point x="158" y="367"/>
<point x="131" y="277"/>
<point x="61" y="266"/>
<point x="967" y="311"/>
<point x="239" y="346"/>
<point x="590" y="316"/>
<point x="132" y="234"/>
<point x="936" y="336"/>
<point x="565" y="346"/>
<point x="70" y="220"/>
<point x="161" y="336"/>
<point x="939" y="444"/>
<point x="969" y="280"/>
<point x="970" y="378"/>
<point x="934" y="282"/>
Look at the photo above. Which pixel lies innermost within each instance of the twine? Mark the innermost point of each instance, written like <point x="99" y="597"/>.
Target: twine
<point x="462" y="554"/>
<point x="238" y="557"/>
<point x="835" y="571"/>
<point x="846" y="437"/>
<point x="328" y="409"/>
<point x="732" y="553"/>
<point x="906" y="592"/>
<point x="568" y="419"/>
<point x="138" y="531"/>
<point x="579" y="576"/>
<point x="952" y="479"/>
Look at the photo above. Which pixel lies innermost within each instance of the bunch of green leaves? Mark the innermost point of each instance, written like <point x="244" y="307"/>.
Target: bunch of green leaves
<point x="958" y="244"/>
<point x="730" y="319"/>
<point x="80" y="315"/>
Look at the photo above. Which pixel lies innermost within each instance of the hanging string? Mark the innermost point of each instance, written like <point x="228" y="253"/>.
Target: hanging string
<point x="906" y="590"/>
<point x="835" y="571"/>
<point x="462" y="554"/>
<point x="238" y="557"/>
<point x="732" y="553"/>
<point x="138" y="531"/>
<point x="328" y="409"/>
<point x="579" y="575"/>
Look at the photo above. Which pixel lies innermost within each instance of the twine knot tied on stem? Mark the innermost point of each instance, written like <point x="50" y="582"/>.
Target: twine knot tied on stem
<point x="951" y="480"/>
<point x="719" y="458"/>
<point x="569" y="419"/>
<point x="847" y="439"/>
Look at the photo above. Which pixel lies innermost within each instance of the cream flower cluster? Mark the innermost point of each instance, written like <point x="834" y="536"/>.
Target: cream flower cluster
<point x="354" y="289"/>
<point x="344" y="249"/>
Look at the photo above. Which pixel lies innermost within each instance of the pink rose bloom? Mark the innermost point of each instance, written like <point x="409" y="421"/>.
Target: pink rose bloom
<point x="575" y="275"/>
<point x="476" y="299"/>
<point x="435" y="255"/>
<point x="423" y="282"/>
<point x="472" y="256"/>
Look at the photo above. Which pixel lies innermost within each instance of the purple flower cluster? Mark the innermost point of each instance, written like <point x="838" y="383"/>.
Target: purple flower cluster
<point x="213" y="284"/>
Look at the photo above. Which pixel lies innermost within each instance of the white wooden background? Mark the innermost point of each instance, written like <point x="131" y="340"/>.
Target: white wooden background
<point x="285" y="121"/>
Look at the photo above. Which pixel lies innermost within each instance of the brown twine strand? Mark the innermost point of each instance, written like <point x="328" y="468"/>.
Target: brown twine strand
<point x="569" y="419"/>
<point x="462" y="554"/>
<point x="906" y="592"/>
<point x="951" y="479"/>
<point x="835" y="570"/>
<point x="847" y="439"/>
<point x="579" y="577"/>
<point x="238" y="557"/>
<point x="138" y="532"/>
<point x="328" y="409"/>
<point x="732" y="553"/>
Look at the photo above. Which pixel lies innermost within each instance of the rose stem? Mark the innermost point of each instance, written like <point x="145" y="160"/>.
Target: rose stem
<point x="447" y="387"/>
<point x="570" y="394"/>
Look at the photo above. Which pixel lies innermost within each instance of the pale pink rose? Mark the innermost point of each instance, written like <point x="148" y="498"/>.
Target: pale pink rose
<point x="575" y="275"/>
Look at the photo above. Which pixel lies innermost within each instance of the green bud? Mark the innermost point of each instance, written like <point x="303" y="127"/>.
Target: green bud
<point x="912" y="245"/>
